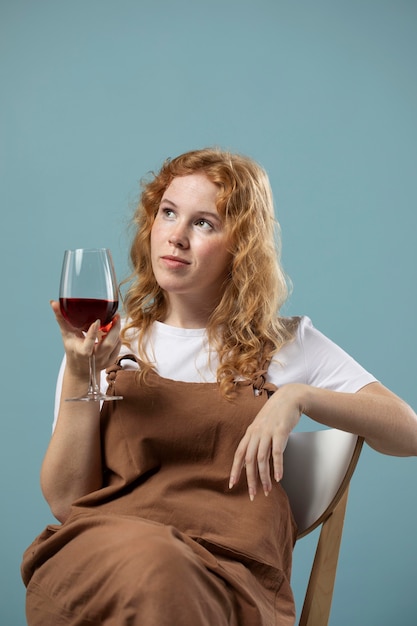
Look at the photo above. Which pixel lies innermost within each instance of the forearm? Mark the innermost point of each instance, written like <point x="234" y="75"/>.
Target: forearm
<point x="387" y="423"/>
<point x="72" y="464"/>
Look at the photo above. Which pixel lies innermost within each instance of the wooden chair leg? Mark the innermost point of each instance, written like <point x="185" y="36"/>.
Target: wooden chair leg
<point x="318" y="598"/>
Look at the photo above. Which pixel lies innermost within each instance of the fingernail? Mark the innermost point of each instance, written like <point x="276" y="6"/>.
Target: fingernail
<point x="231" y="483"/>
<point x="251" y="497"/>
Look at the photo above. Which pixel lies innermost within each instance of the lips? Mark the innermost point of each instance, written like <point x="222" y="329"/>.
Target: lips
<point x="174" y="261"/>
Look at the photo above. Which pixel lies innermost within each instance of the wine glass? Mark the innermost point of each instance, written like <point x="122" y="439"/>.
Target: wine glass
<point x="88" y="292"/>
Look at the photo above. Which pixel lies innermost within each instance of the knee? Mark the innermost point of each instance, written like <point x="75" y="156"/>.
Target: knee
<point x="165" y="552"/>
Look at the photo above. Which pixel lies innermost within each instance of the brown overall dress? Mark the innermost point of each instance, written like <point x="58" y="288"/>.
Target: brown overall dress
<point x="165" y="542"/>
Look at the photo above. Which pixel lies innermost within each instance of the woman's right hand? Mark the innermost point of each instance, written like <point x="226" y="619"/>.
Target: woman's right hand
<point x="79" y="346"/>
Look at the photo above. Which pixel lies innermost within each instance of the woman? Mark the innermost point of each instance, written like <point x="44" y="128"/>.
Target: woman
<point x="158" y="524"/>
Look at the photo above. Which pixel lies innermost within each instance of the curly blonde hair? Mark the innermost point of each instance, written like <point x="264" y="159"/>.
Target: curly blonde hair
<point x="245" y="328"/>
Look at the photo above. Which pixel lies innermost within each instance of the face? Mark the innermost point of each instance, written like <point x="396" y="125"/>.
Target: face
<point x="189" y="245"/>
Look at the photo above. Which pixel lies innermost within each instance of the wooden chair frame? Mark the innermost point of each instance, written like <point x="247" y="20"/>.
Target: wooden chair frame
<point x="318" y="467"/>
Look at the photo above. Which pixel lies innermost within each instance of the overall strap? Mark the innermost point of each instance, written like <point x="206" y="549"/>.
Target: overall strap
<point x="116" y="367"/>
<point x="260" y="384"/>
<point x="258" y="378"/>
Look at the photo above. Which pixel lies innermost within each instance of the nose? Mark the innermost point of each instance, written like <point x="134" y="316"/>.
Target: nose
<point x="178" y="238"/>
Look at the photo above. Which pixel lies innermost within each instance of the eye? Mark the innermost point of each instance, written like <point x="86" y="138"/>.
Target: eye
<point x="204" y="224"/>
<point x="167" y="212"/>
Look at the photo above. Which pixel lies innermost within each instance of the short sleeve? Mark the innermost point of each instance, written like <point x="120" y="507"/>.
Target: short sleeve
<point x="314" y="359"/>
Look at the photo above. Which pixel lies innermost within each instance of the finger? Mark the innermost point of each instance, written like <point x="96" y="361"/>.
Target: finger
<point x="91" y="337"/>
<point x="110" y="340"/>
<point x="114" y="328"/>
<point x="64" y="325"/>
<point x="110" y="333"/>
<point x="108" y="350"/>
<point x="115" y="353"/>
<point x="264" y="467"/>
<point x="115" y="323"/>
<point x="238" y="462"/>
<point x="251" y="464"/>
<point x="278" y="447"/>
<point x="57" y="312"/>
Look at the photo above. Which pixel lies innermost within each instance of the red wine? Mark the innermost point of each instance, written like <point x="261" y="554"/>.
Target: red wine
<point x="82" y="312"/>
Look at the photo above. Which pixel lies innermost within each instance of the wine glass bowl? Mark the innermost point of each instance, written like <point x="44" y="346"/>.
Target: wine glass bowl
<point x="88" y="292"/>
<point x="82" y="312"/>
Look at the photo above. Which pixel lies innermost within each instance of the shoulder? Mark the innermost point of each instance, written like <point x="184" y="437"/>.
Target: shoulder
<point x="288" y="363"/>
<point x="312" y="358"/>
<point x="298" y="329"/>
<point x="305" y="336"/>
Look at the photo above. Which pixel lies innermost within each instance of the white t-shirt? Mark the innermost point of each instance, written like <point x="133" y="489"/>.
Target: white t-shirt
<point x="311" y="358"/>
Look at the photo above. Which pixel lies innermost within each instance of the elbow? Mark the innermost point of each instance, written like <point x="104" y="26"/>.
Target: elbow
<point x="413" y="446"/>
<point x="61" y="513"/>
<point x="410" y="442"/>
<point x="400" y="439"/>
<point x="60" y="498"/>
<point x="59" y="508"/>
<point x="389" y="448"/>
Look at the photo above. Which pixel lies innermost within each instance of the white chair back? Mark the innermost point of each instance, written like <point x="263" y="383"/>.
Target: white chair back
<point x="318" y="467"/>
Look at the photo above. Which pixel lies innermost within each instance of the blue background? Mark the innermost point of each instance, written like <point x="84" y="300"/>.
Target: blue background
<point x="96" y="93"/>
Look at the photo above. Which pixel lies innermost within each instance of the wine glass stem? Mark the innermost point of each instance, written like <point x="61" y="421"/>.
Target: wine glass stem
<point x="93" y="387"/>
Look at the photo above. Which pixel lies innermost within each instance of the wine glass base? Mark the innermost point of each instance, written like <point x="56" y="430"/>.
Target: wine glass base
<point x="94" y="397"/>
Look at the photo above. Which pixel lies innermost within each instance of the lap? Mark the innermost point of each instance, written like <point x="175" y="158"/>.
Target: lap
<point x="125" y="570"/>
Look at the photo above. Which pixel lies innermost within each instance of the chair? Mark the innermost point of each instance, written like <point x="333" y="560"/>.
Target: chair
<point x="318" y="467"/>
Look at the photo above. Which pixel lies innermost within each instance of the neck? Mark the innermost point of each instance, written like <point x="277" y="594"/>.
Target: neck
<point x="187" y="313"/>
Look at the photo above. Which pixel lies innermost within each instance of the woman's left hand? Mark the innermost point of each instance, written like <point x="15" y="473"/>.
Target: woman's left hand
<point x="387" y="423"/>
<point x="267" y="438"/>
